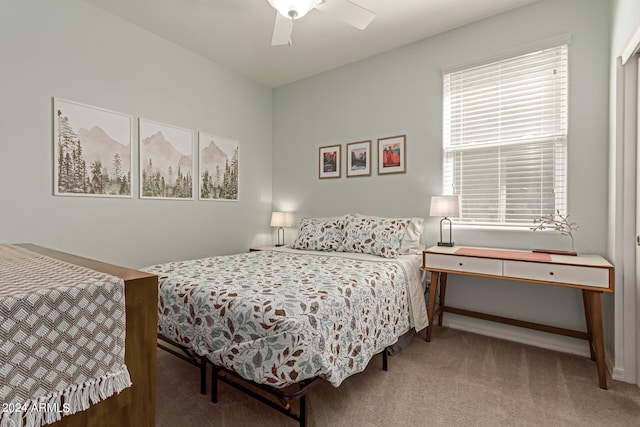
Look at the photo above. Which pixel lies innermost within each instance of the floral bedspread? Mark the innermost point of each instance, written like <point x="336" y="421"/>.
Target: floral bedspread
<point x="278" y="318"/>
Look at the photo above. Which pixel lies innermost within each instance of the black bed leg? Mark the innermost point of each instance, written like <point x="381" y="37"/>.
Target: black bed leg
<point x="203" y="375"/>
<point x="303" y="411"/>
<point x="214" y="384"/>
<point x="384" y="359"/>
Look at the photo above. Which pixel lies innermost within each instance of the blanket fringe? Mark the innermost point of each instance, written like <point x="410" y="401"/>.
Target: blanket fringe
<point x="75" y="398"/>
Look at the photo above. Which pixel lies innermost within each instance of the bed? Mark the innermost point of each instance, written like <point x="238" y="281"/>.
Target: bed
<point x="321" y="309"/>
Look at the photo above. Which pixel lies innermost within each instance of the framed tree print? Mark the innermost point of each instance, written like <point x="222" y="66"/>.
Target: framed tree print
<point x="166" y="161"/>
<point x="392" y="155"/>
<point x="329" y="159"/>
<point x="218" y="167"/>
<point x="358" y="159"/>
<point x="92" y="151"/>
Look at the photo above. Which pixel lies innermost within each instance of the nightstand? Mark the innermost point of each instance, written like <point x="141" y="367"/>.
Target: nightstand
<point x="261" y="248"/>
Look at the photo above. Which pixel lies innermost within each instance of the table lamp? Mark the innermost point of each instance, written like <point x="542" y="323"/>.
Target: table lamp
<point x="280" y="220"/>
<point x="445" y="206"/>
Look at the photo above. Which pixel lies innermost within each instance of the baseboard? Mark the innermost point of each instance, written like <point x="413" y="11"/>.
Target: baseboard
<point x="517" y="334"/>
<point x="616" y="372"/>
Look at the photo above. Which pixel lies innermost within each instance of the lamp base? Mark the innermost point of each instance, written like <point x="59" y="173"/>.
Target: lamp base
<point x="280" y="229"/>
<point x="447" y="244"/>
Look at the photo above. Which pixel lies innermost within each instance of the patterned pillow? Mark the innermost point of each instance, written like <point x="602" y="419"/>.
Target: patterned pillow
<point x="373" y="235"/>
<point x="320" y="234"/>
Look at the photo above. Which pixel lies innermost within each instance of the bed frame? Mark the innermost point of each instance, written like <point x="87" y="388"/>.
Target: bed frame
<point x="134" y="406"/>
<point x="281" y="398"/>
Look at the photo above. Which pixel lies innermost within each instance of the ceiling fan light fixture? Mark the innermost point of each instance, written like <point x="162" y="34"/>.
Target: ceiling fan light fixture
<point x="292" y="9"/>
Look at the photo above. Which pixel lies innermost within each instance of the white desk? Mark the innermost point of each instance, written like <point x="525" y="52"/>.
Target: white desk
<point x="590" y="273"/>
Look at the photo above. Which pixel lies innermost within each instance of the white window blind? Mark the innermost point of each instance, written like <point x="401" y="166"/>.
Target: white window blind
<point x="505" y="138"/>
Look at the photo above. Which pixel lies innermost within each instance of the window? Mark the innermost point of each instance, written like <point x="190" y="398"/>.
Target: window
<point x="505" y="138"/>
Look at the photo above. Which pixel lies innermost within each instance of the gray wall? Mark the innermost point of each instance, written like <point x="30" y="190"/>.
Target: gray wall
<point x="400" y="92"/>
<point x="75" y="51"/>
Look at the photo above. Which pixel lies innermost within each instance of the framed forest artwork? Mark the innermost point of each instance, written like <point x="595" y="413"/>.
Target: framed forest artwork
<point x="166" y="161"/>
<point x="358" y="159"/>
<point x="218" y="167"/>
<point x="392" y="155"/>
<point x="329" y="159"/>
<point x="92" y="150"/>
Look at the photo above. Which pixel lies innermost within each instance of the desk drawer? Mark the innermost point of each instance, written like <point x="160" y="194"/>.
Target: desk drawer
<point x="555" y="273"/>
<point x="464" y="264"/>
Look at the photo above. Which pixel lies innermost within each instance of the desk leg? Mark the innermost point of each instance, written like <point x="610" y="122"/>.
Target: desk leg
<point x="443" y="289"/>
<point x="597" y="336"/>
<point x="433" y="292"/>
<point x="587" y="316"/>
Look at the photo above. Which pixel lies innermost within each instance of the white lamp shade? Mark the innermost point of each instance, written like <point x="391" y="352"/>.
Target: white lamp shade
<point x="448" y="206"/>
<point x="281" y="219"/>
<point x="299" y="7"/>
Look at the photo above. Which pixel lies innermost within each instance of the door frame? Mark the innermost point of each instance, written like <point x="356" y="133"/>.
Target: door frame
<point x="627" y="225"/>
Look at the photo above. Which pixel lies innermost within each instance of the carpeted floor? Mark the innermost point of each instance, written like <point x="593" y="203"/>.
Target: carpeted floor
<point x="459" y="379"/>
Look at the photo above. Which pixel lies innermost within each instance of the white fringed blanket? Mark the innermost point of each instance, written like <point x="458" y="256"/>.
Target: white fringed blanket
<point x="62" y="331"/>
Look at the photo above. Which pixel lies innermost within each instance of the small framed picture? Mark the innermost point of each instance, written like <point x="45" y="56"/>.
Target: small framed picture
<point x="329" y="159"/>
<point x="392" y="154"/>
<point x="359" y="159"/>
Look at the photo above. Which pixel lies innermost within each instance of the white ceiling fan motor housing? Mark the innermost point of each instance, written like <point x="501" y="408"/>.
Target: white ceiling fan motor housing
<point x="293" y="9"/>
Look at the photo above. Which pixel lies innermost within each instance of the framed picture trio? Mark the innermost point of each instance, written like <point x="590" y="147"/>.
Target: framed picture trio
<point x="93" y="157"/>
<point x="391" y="158"/>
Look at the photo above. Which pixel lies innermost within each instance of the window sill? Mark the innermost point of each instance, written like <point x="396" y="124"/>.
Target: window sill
<point x="488" y="227"/>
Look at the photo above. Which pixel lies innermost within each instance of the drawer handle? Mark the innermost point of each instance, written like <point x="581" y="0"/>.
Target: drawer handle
<point x="460" y="264"/>
<point x="551" y="273"/>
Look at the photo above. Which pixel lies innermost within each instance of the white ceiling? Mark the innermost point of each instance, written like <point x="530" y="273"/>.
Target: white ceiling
<point x="237" y="33"/>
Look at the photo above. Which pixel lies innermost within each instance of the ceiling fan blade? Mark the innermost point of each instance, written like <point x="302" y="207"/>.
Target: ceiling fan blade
<point x="282" y="31"/>
<point x="348" y="12"/>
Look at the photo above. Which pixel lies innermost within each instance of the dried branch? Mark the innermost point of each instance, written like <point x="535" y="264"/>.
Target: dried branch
<point x="557" y="222"/>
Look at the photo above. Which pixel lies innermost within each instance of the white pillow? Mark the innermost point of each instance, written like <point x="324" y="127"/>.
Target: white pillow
<point x="412" y="242"/>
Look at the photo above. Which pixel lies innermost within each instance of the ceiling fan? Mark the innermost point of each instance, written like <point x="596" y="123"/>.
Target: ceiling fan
<point x="290" y="10"/>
